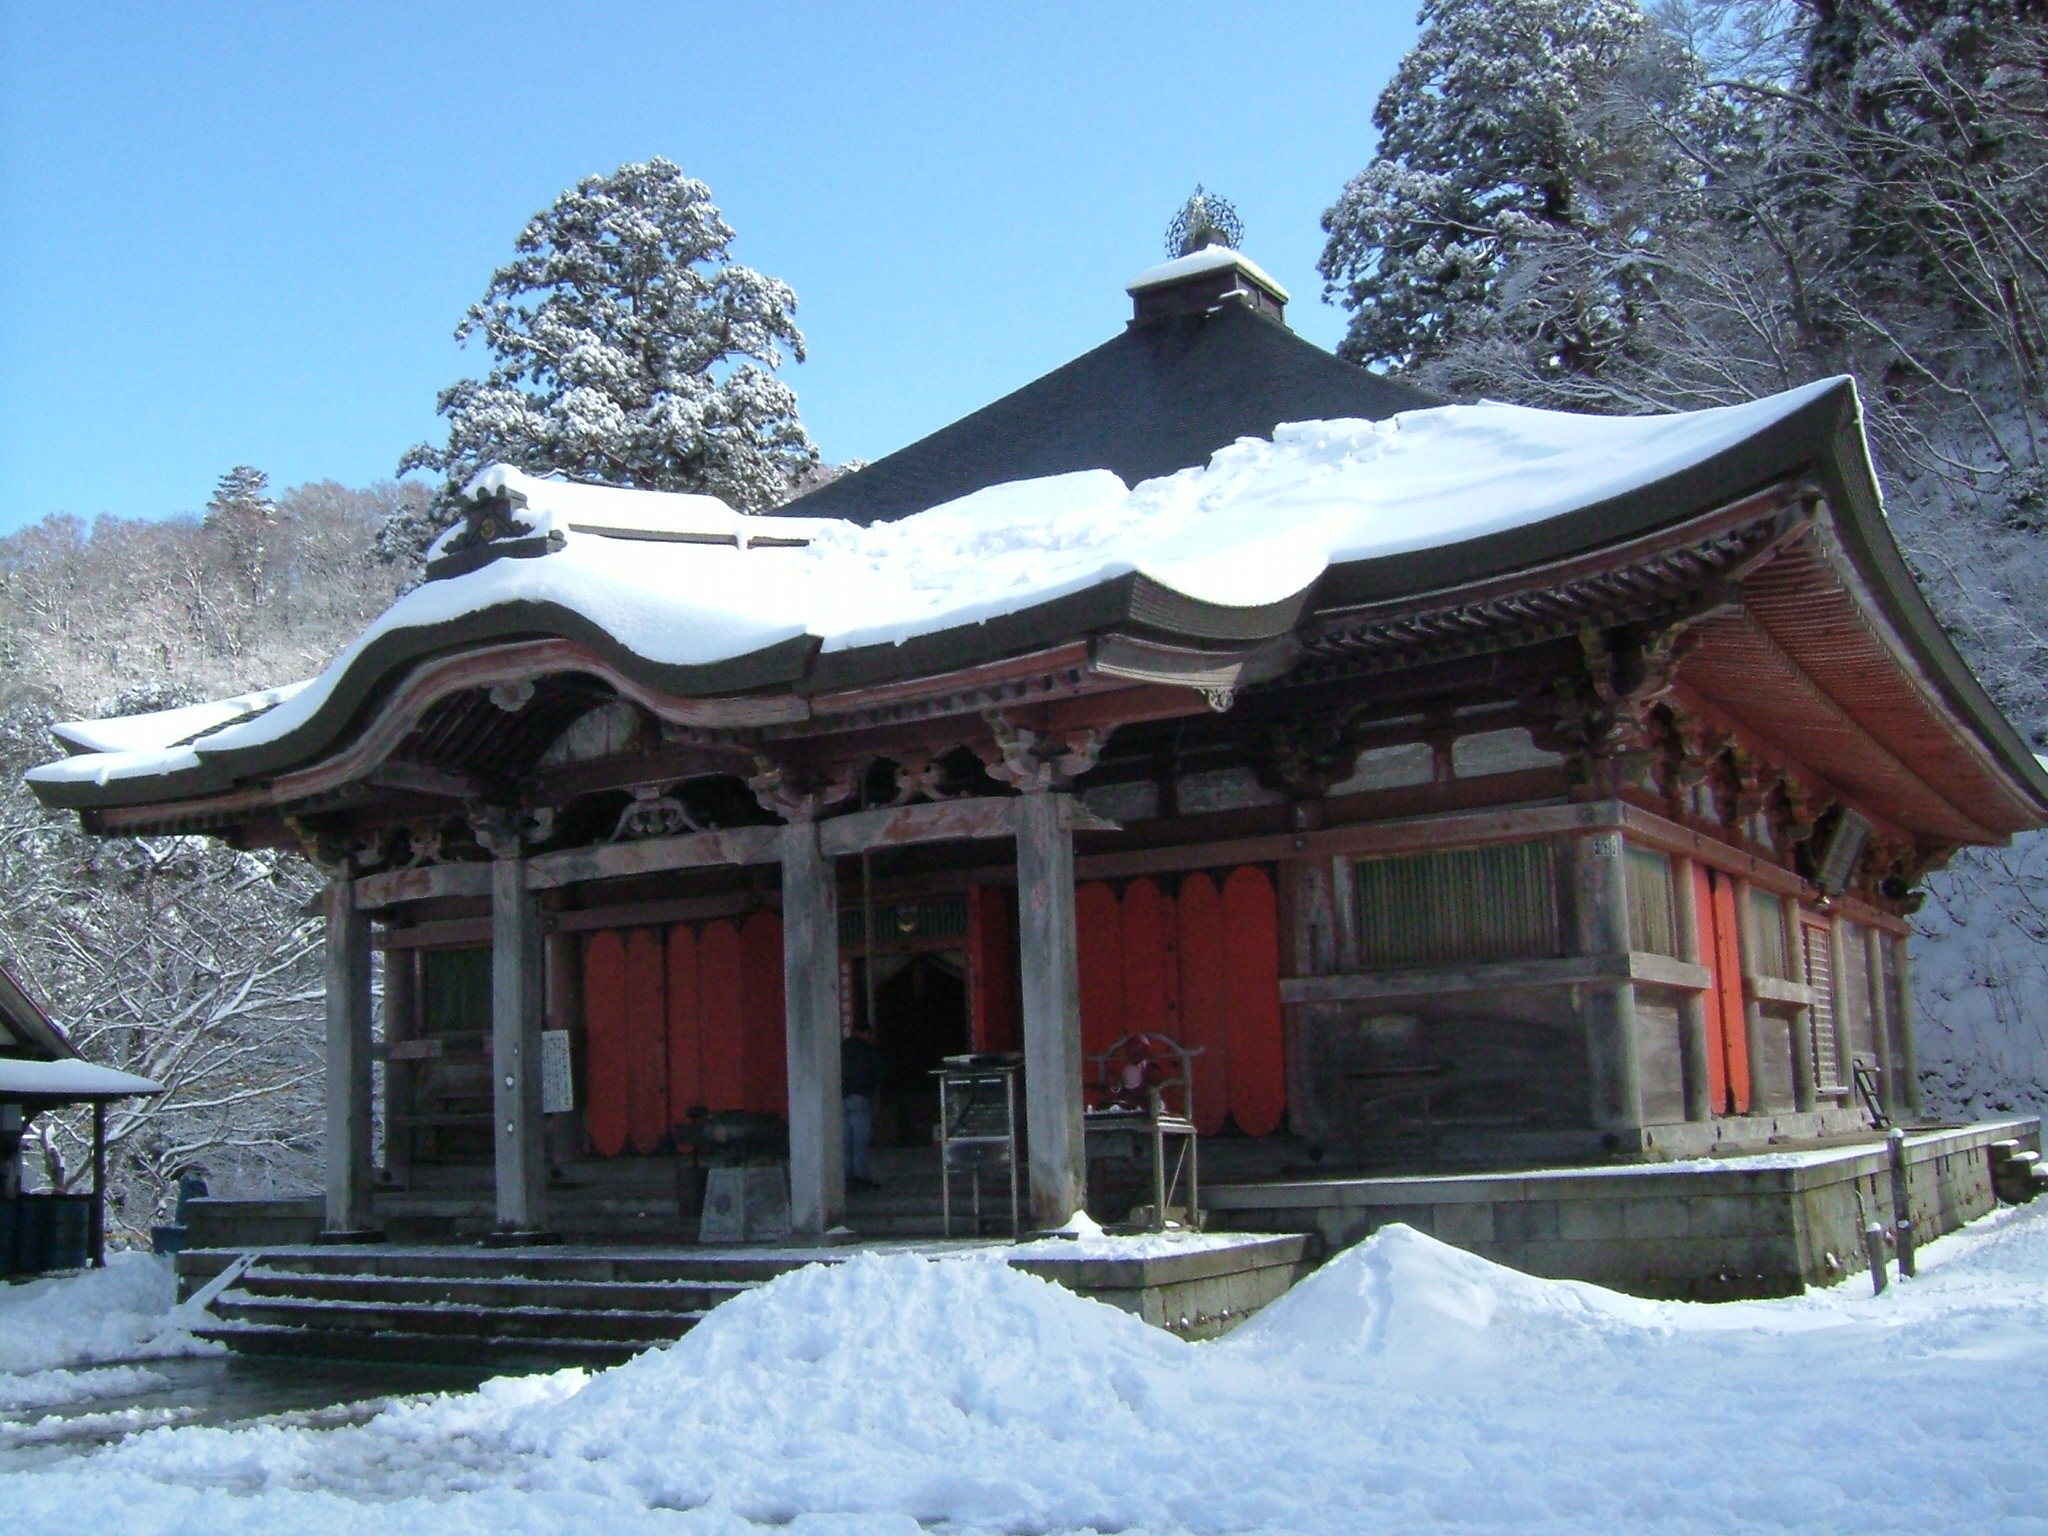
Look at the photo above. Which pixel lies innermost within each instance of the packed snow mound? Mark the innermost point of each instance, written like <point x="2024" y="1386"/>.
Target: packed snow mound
<point x="122" y="1312"/>
<point x="1401" y="1301"/>
<point x="889" y="1393"/>
<point x="959" y="1390"/>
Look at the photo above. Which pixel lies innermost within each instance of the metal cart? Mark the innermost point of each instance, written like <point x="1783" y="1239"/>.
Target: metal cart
<point x="978" y="1131"/>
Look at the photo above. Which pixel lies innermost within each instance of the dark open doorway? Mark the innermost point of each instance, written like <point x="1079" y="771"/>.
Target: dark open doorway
<point x="920" y="1018"/>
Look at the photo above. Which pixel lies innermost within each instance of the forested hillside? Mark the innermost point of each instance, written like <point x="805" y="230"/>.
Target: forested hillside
<point x="176" y="957"/>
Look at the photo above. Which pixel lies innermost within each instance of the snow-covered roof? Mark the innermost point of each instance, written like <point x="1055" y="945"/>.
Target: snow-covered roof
<point x="164" y="728"/>
<point x="1255" y="526"/>
<point x="1210" y="258"/>
<point x="68" y="1079"/>
<point x="681" y="582"/>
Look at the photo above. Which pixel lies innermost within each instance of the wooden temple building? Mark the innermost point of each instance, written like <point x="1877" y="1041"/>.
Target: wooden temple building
<point x="1474" y="786"/>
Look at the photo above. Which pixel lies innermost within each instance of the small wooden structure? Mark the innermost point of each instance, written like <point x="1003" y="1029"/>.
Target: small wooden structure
<point x="39" y="1072"/>
<point x="1574" y="815"/>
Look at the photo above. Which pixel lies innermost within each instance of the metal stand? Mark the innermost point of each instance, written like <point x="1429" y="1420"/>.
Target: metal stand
<point x="978" y="1130"/>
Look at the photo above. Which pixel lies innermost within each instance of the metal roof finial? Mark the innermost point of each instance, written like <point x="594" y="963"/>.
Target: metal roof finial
<point x="1204" y="219"/>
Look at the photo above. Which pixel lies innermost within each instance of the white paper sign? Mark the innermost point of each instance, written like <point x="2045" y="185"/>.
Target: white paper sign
<point x="557" y="1081"/>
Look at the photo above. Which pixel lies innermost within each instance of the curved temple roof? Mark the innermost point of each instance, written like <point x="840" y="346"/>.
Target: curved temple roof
<point x="688" y="598"/>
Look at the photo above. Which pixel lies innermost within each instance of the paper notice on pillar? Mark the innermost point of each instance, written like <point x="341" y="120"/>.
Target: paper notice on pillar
<point x="557" y="1082"/>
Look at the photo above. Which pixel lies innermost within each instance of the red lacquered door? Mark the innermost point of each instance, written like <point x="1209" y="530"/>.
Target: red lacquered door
<point x="604" y="1023"/>
<point x="1098" y="934"/>
<point x="646" y="1039"/>
<point x="685" y="1067"/>
<point x="764" y="1049"/>
<point x="1147" y="943"/>
<point x="1728" y="988"/>
<point x="1258" y="1064"/>
<point x="718" y="1015"/>
<point x="1204" y="1008"/>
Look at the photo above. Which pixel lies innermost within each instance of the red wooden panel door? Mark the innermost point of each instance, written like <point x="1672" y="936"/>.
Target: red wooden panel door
<point x="992" y="948"/>
<point x="1251" y="986"/>
<point x="604" y="1025"/>
<point x="1710" y="956"/>
<point x="646" y="1039"/>
<point x="1098" y="934"/>
<point x="1204" y="1007"/>
<point x="685" y="1043"/>
<point x="1147" y="927"/>
<point x="764" y="1049"/>
<point x="1728" y="984"/>
<point x="718" y="1015"/>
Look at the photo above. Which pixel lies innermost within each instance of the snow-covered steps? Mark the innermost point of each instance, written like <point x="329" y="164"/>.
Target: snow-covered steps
<point x="531" y="1308"/>
<point x="512" y="1309"/>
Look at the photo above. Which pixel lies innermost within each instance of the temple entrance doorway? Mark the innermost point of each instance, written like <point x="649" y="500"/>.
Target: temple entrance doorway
<point x="920" y="1018"/>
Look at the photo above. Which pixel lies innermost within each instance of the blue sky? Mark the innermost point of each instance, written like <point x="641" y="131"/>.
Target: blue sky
<point x="244" y="234"/>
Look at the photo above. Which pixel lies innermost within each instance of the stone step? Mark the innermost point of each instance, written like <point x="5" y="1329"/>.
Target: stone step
<point x="404" y="1346"/>
<point x="567" y="1295"/>
<point x="532" y="1323"/>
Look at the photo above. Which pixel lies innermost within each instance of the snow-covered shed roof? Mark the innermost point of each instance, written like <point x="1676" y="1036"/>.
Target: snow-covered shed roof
<point x="24" y="1026"/>
<point x="69" y="1081"/>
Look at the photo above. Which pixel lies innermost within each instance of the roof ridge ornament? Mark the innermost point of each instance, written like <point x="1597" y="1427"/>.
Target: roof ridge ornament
<point x="1204" y="220"/>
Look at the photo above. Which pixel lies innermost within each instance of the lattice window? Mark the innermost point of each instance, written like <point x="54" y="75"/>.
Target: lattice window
<point x="1820" y="975"/>
<point x="1495" y="903"/>
<point x="1652" y="909"/>
<point x="1767" y="923"/>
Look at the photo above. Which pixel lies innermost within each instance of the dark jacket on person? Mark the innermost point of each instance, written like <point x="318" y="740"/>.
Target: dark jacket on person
<point x="860" y="1068"/>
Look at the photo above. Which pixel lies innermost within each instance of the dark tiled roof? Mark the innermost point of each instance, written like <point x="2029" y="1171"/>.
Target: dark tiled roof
<point x="1160" y="397"/>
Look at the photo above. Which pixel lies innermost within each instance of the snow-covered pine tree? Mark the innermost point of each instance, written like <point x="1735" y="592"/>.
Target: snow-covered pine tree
<point x="630" y="349"/>
<point x="1487" y="218"/>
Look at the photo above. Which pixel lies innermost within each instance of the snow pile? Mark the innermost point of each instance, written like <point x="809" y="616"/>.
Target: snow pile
<point x="122" y="1312"/>
<point x="1405" y="1386"/>
<point x="1256" y="525"/>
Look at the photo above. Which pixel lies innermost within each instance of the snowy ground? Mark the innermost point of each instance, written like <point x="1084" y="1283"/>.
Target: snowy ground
<point x="1405" y="1387"/>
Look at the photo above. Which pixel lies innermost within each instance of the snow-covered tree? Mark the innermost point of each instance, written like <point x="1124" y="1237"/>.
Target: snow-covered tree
<point x="1486" y="156"/>
<point x="629" y="348"/>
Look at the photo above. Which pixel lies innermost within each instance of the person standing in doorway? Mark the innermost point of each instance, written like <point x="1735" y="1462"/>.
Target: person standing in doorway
<point x="860" y="1079"/>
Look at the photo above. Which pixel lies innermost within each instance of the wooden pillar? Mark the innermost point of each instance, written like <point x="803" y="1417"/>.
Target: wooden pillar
<point x="347" y="968"/>
<point x="1692" y="1006"/>
<point x="1804" y="1084"/>
<point x="1752" y="1009"/>
<point x="516" y="1003"/>
<point x="1905" y="1052"/>
<point x="1052" y="1005"/>
<point x="1612" y="1053"/>
<point x="401" y="1023"/>
<point x="1880" y="1020"/>
<point x="810" y="990"/>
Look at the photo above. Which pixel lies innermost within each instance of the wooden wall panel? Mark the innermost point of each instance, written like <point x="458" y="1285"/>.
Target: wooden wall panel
<point x="1204" y="1006"/>
<point x="646" y="1040"/>
<point x="685" y="1037"/>
<point x="1258" y="1066"/>
<point x="604" y="1022"/>
<point x="718" y="1015"/>
<point x="764" y="1050"/>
